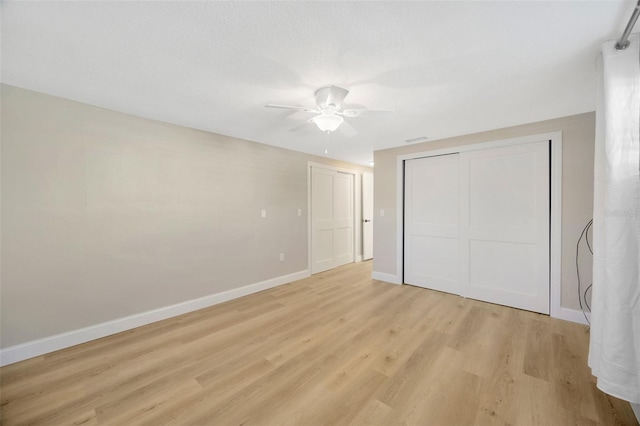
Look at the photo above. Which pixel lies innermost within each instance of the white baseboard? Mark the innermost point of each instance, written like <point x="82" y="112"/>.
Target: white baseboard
<point x="572" y="315"/>
<point x="46" y="345"/>
<point x="382" y="276"/>
<point x="359" y="258"/>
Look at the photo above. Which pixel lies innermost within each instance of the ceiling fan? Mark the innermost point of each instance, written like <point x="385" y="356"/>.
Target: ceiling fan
<point x="330" y="117"/>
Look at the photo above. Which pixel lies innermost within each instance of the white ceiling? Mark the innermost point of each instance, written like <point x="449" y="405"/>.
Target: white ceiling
<point x="448" y="68"/>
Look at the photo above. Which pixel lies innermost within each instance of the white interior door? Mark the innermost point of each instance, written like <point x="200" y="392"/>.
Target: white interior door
<point x="505" y="225"/>
<point x="332" y="219"/>
<point x="432" y="235"/>
<point x="367" y="216"/>
<point x="477" y="224"/>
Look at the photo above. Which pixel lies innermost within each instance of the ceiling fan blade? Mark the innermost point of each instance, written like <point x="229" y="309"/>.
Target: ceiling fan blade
<point x="291" y="107"/>
<point x="305" y="125"/>
<point x="347" y="129"/>
<point x="329" y="101"/>
<point x="360" y="111"/>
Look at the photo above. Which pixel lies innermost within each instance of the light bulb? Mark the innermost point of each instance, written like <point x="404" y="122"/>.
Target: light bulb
<point x="328" y="122"/>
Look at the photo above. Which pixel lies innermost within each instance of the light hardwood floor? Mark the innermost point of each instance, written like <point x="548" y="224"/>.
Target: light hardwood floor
<point x="337" y="348"/>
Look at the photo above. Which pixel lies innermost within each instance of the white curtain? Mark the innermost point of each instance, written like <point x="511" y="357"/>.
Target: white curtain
<point x="614" y="353"/>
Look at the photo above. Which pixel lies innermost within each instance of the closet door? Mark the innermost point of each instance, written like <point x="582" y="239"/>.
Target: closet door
<point x="477" y="224"/>
<point x="431" y="243"/>
<point x="504" y="207"/>
<point x="332" y="219"/>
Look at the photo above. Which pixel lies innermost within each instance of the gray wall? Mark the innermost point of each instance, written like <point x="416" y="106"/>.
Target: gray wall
<point x="106" y="215"/>
<point x="578" y="139"/>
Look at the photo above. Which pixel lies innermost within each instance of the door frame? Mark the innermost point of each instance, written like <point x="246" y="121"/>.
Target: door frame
<point x="555" y="237"/>
<point x="362" y="179"/>
<point x="356" y="209"/>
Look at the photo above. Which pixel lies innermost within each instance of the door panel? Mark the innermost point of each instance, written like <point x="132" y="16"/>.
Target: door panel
<point x="322" y="199"/>
<point x="343" y="246"/>
<point x="332" y="216"/>
<point x="343" y="219"/>
<point x="343" y="200"/>
<point x="431" y="223"/>
<point x="436" y="257"/>
<point x="434" y="191"/>
<point x="516" y="271"/>
<point x="502" y="189"/>
<point x="323" y="246"/>
<point x="505" y="224"/>
<point x="321" y="220"/>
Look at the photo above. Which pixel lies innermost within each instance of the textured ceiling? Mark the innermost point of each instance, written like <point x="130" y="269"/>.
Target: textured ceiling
<point x="448" y="68"/>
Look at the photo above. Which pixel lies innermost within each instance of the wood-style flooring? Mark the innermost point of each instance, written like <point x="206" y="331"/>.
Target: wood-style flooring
<point x="337" y="348"/>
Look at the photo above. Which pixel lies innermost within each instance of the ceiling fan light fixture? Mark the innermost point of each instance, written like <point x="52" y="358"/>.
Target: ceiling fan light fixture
<point x="330" y="112"/>
<point x="328" y="123"/>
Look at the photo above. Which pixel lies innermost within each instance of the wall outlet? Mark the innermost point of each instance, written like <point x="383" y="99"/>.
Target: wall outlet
<point x="281" y="257"/>
<point x="381" y="212"/>
<point x="263" y="213"/>
<point x="299" y="212"/>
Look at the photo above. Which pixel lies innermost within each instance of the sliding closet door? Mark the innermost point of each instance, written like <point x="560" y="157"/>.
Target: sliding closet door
<point x="505" y="225"/>
<point x="477" y="224"/>
<point x="431" y="244"/>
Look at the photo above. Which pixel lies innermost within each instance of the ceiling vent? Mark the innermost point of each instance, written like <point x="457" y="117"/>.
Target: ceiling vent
<point x="418" y="139"/>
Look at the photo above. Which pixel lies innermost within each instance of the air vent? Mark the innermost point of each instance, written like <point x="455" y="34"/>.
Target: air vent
<point x="418" y="139"/>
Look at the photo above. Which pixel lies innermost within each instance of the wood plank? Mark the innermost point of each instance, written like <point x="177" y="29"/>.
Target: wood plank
<point x="334" y="348"/>
<point x="537" y="361"/>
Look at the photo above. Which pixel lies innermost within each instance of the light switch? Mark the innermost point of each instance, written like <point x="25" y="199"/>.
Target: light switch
<point x="299" y="212"/>
<point x="381" y="212"/>
<point x="263" y="213"/>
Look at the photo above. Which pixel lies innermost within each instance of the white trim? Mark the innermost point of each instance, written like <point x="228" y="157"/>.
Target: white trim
<point x="356" y="208"/>
<point x="357" y="216"/>
<point x="362" y="218"/>
<point x="309" y="224"/>
<point x="389" y="278"/>
<point x="330" y="167"/>
<point x="45" y="345"/>
<point x="636" y="410"/>
<point x="572" y="315"/>
<point x="555" y="249"/>
<point x="555" y="308"/>
<point x="484" y="145"/>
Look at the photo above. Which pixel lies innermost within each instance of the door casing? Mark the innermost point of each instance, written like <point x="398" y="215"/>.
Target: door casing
<point x="367" y="214"/>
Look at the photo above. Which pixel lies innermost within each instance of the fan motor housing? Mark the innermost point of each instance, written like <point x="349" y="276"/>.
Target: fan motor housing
<point x="330" y="96"/>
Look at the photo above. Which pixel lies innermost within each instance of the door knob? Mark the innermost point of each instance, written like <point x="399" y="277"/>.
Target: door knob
<point x="366" y="220"/>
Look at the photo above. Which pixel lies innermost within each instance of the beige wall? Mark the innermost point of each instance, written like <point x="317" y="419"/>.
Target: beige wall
<point x="578" y="138"/>
<point x="106" y="215"/>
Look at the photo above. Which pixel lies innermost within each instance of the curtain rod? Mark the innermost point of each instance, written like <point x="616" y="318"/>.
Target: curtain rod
<point x="623" y="43"/>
